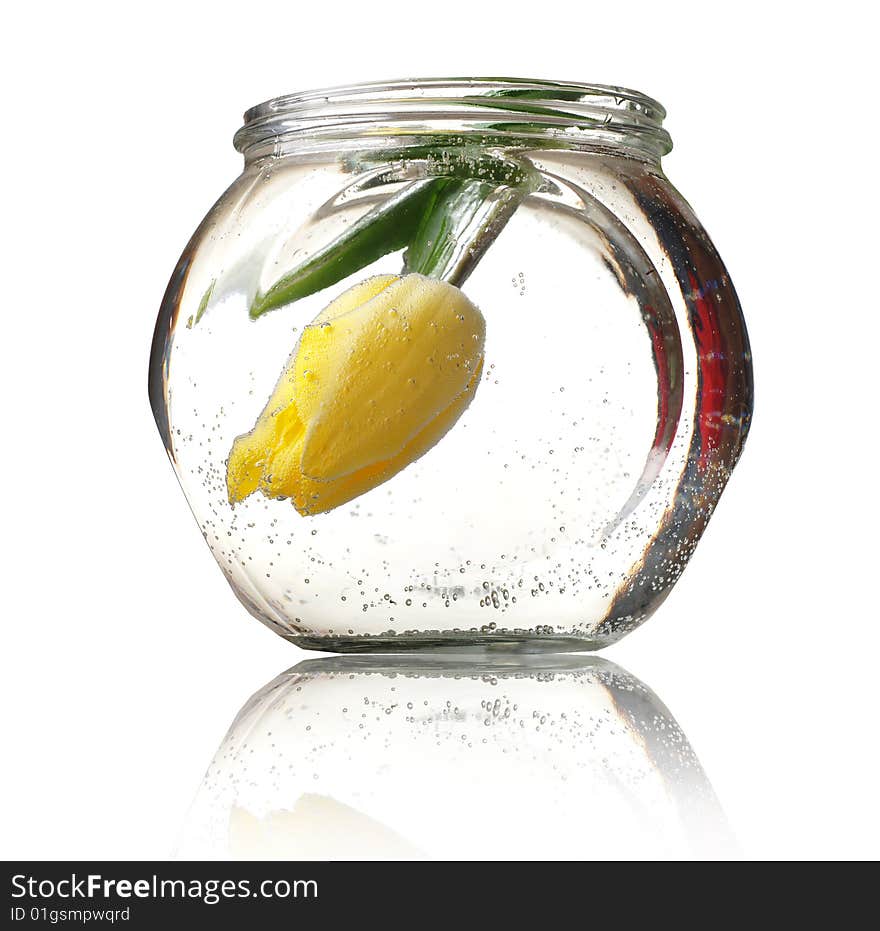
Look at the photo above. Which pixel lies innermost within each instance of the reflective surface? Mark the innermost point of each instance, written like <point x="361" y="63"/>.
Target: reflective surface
<point x="513" y="757"/>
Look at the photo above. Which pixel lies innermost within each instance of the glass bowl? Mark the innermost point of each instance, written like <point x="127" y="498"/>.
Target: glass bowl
<point x="452" y="364"/>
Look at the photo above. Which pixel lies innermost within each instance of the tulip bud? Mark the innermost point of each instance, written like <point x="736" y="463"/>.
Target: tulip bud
<point x="377" y="379"/>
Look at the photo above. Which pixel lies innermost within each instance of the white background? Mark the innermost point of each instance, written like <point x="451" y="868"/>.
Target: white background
<point x="125" y="655"/>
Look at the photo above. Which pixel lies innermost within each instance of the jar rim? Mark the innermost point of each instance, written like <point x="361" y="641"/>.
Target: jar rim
<point x="566" y="114"/>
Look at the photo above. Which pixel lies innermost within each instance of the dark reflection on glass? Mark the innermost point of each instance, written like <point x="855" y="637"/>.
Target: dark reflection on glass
<point x="509" y="757"/>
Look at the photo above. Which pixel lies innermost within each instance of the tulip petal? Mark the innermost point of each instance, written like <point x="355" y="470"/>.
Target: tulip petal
<point x="388" y="369"/>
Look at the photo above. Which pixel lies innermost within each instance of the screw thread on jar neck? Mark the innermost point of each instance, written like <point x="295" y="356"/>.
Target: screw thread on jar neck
<point x="483" y="111"/>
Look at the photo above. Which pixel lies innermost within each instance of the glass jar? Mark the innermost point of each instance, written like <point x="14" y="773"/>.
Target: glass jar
<point x="452" y="363"/>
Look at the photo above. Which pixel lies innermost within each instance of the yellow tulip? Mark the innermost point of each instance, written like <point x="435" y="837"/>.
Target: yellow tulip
<point x="377" y="379"/>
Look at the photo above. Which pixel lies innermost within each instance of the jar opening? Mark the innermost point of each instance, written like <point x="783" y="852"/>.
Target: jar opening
<point x="504" y="111"/>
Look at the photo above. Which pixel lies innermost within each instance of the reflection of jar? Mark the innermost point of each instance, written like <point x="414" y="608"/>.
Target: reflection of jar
<point x="401" y="758"/>
<point x="519" y="440"/>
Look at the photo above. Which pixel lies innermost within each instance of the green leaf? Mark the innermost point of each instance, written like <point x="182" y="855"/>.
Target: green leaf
<point x="431" y="243"/>
<point x="203" y="303"/>
<point x="465" y="219"/>
<point x="462" y="223"/>
<point x="385" y="229"/>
